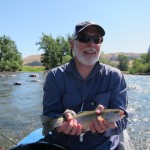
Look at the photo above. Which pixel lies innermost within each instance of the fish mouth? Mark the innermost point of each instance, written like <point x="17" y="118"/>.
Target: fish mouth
<point x="122" y="115"/>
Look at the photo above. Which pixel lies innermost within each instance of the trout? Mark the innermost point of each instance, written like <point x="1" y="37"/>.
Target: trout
<point x="84" y="118"/>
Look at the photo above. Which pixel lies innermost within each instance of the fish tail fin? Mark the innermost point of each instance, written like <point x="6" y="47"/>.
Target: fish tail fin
<point x="49" y="124"/>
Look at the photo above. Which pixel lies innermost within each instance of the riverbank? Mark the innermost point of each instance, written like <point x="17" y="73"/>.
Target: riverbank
<point x="33" y="69"/>
<point x="128" y="73"/>
<point x="27" y="69"/>
<point x="42" y="69"/>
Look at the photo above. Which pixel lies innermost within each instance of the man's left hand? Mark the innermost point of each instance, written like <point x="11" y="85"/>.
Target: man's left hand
<point x="99" y="124"/>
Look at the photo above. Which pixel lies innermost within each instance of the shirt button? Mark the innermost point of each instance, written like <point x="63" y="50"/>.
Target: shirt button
<point x="92" y="103"/>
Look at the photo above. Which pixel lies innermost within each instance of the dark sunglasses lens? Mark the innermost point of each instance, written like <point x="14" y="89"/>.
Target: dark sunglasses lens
<point x="86" y="38"/>
<point x="96" y="40"/>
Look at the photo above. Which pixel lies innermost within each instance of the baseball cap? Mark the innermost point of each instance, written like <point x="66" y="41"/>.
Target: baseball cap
<point x="83" y="25"/>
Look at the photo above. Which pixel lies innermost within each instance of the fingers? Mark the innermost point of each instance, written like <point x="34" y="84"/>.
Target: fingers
<point x="99" y="109"/>
<point x="79" y="127"/>
<point x="71" y="127"/>
<point x="62" y="127"/>
<point x="76" y="129"/>
<point x="68" y="116"/>
<point x="100" y="125"/>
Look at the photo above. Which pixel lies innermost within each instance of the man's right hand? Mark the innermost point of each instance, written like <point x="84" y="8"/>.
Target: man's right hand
<point x="70" y="127"/>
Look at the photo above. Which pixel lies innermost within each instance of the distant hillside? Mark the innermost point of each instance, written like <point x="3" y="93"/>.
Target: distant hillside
<point x="32" y="60"/>
<point x="114" y="56"/>
<point x="35" y="60"/>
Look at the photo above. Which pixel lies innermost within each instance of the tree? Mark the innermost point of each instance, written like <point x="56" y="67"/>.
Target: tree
<point x="138" y="66"/>
<point x="123" y="62"/>
<point x="148" y="55"/>
<point x="141" y="65"/>
<point x="10" y="58"/>
<point x="54" y="50"/>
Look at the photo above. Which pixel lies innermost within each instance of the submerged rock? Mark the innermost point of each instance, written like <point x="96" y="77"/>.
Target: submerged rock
<point x="17" y="83"/>
<point x="33" y="75"/>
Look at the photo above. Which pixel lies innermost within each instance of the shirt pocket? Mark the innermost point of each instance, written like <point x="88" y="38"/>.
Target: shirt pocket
<point x="102" y="99"/>
<point x="71" y="101"/>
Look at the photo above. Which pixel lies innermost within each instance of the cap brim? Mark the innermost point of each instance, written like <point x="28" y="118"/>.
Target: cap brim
<point x="99" y="28"/>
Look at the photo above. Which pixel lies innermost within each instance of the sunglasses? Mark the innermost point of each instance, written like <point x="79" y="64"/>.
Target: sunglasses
<point x="84" y="38"/>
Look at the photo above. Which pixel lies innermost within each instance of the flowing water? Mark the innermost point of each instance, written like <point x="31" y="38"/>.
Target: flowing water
<point x="139" y="110"/>
<point x="21" y="105"/>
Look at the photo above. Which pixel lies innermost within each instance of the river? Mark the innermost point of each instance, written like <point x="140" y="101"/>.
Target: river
<point x="21" y="106"/>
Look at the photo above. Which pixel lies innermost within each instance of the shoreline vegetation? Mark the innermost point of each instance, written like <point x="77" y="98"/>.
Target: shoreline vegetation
<point x="42" y="69"/>
<point x="33" y="69"/>
<point x="56" y="51"/>
<point x="26" y="69"/>
<point x="144" y="74"/>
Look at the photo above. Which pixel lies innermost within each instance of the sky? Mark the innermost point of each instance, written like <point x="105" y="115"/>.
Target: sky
<point x="126" y="22"/>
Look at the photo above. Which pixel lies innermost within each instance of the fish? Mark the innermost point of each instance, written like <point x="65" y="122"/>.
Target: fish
<point x="84" y="118"/>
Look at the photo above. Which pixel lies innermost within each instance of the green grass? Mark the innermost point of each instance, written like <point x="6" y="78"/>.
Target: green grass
<point x="33" y="69"/>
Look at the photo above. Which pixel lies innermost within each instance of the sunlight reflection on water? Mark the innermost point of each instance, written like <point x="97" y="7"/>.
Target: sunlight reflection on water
<point x="20" y="107"/>
<point x="139" y="114"/>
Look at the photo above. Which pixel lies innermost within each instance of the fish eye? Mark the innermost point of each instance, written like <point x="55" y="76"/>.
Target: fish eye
<point x="116" y="111"/>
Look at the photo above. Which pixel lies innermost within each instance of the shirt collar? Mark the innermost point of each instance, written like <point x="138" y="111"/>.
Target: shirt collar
<point x="72" y="69"/>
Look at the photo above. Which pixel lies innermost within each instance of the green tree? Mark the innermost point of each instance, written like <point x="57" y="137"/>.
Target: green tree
<point x="138" y="66"/>
<point x="148" y="55"/>
<point x="123" y="62"/>
<point x="143" y="58"/>
<point x="54" y="50"/>
<point x="141" y="65"/>
<point x="10" y="58"/>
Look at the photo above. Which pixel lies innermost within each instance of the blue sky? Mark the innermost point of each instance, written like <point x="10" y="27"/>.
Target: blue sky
<point x="126" y="22"/>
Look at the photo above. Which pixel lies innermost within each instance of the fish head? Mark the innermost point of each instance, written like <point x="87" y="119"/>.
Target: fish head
<point x="112" y="115"/>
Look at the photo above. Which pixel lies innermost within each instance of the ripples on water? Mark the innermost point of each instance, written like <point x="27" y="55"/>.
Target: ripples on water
<point x="21" y="105"/>
<point x="139" y="114"/>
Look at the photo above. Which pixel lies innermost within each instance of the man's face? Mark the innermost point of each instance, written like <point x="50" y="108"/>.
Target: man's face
<point x="87" y="53"/>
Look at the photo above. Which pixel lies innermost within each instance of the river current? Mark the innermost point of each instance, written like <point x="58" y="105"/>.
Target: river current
<point x="21" y="106"/>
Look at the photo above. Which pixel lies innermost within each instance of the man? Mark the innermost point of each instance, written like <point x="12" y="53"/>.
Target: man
<point x="85" y="84"/>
